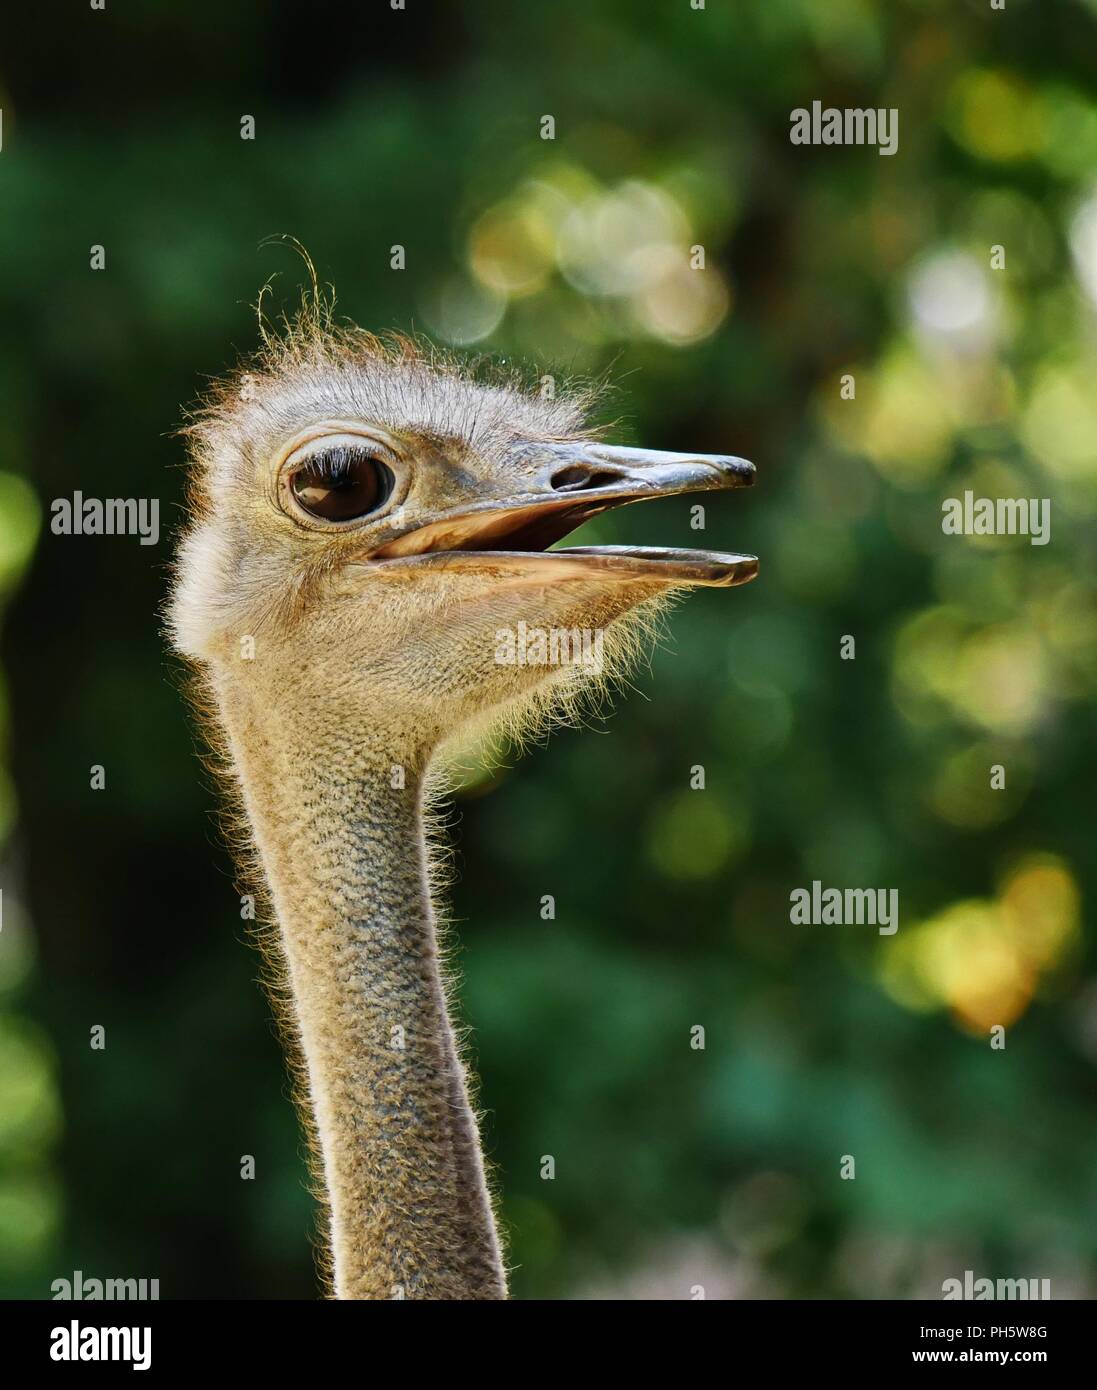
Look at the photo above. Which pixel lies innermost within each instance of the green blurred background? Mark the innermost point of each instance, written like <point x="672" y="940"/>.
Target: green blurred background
<point x="675" y="1167"/>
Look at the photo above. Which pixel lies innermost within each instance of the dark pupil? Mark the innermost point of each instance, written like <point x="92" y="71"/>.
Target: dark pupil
<point x="341" y="484"/>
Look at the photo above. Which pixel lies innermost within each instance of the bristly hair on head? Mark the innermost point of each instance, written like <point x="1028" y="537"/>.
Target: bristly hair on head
<point x="311" y="363"/>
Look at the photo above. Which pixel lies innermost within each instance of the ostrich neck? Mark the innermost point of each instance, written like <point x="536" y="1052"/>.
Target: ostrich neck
<point x="344" y="855"/>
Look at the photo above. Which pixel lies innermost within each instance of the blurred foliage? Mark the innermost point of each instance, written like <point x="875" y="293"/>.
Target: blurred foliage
<point x="422" y="128"/>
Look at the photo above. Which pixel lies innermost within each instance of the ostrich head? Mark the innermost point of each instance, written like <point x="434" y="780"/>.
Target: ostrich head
<point x="369" y="523"/>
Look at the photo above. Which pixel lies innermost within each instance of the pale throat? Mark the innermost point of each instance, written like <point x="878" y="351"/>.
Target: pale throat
<point x="335" y="806"/>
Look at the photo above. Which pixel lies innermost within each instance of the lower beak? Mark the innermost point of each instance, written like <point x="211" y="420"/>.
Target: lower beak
<point x="572" y="483"/>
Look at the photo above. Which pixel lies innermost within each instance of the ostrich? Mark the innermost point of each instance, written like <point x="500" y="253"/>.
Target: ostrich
<point x="366" y="518"/>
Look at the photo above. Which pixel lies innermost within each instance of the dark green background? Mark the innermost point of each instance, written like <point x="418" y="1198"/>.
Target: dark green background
<point x="675" y="1167"/>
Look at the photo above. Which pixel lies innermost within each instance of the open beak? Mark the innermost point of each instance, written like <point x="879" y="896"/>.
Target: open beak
<point x="572" y="483"/>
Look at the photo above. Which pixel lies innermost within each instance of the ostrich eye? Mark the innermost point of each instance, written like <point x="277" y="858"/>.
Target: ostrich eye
<point x="341" y="484"/>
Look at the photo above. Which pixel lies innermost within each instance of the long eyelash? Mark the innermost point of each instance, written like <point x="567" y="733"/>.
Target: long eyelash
<point x="335" y="463"/>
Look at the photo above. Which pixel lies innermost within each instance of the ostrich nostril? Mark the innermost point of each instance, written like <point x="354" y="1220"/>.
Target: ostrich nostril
<point x="578" y="477"/>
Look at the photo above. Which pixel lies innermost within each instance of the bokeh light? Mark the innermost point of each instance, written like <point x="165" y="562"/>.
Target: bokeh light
<point x="985" y="960"/>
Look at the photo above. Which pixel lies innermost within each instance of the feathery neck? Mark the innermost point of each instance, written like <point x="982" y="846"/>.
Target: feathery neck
<point x="344" y="855"/>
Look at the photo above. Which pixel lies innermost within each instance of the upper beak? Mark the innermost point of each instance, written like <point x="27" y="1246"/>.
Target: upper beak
<point x="568" y="484"/>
